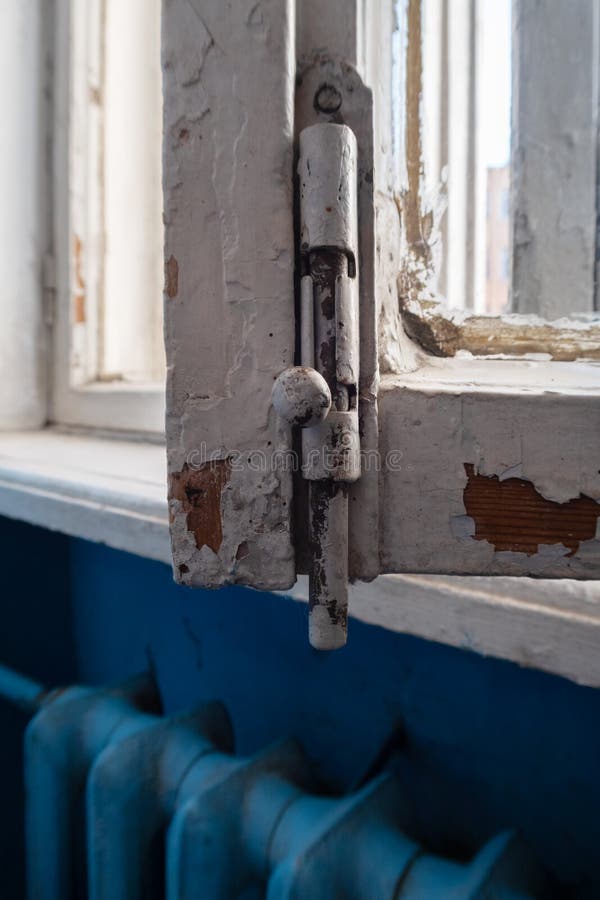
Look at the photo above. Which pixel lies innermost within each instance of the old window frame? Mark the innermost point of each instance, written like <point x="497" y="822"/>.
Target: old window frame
<point x="80" y="395"/>
<point x="508" y="407"/>
<point x="532" y="366"/>
<point x="553" y="228"/>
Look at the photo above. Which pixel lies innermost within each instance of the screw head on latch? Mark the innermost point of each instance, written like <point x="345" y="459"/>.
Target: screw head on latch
<point x="301" y="396"/>
<point x="328" y="99"/>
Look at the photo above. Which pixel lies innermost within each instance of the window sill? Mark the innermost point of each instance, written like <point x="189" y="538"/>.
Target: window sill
<point x="101" y="489"/>
<point x="553" y="626"/>
<point x="113" y="492"/>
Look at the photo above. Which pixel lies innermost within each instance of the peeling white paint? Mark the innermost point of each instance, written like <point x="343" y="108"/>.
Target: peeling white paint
<point x="436" y="427"/>
<point x="462" y="527"/>
<point x="397" y="353"/>
<point x="445" y="331"/>
<point x="229" y="330"/>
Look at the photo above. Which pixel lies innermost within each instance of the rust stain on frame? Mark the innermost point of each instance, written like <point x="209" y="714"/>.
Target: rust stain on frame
<point x="414" y="154"/>
<point x="171" y="277"/>
<point x="79" y="293"/>
<point x="512" y="515"/>
<point x="199" y="492"/>
<point x="418" y="224"/>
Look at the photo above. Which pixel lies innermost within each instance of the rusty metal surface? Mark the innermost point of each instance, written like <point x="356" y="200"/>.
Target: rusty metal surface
<point x="330" y="90"/>
<point x="328" y="500"/>
<point x="347" y="340"/>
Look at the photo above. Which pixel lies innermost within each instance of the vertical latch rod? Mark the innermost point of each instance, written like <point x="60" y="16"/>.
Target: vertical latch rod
<point x="329" y="339"/>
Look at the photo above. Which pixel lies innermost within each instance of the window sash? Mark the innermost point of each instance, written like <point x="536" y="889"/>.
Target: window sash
<point x="82" y="395"/>
<point x="517" y="435"/>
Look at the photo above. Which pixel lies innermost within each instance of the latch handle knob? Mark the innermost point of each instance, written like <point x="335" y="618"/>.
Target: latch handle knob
<point x="301" y="396"/>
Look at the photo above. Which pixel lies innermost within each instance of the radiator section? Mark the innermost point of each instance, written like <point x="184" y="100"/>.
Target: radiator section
<point x="124" y="803"/>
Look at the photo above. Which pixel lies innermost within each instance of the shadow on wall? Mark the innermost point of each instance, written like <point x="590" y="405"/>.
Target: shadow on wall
<point x="488" y="744"/>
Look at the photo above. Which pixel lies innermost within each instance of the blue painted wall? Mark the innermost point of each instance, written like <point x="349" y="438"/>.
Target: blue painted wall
<point x="487" y="744"/>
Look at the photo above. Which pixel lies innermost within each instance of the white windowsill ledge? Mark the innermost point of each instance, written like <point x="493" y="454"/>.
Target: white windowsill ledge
<point x="104" y="490"/>
<point x="113" y="492"/>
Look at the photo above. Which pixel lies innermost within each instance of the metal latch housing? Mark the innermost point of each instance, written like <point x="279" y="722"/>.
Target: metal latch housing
<point x="321" y="396"/>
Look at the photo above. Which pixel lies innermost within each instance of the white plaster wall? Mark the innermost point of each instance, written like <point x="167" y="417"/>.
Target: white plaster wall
<point x="23" y="212"/>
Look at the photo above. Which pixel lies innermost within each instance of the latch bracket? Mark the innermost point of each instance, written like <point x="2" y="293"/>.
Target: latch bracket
<point x="337" y="322"/>
<point x="330" y="349"/>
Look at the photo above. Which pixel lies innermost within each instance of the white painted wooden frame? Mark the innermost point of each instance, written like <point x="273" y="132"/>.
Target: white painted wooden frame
<point x="485" y="467"/>
<point x="229" y="76"/>
<point x="79" y="395"/>
<point x="474" y="453"/>
<point x="450" y="98"/>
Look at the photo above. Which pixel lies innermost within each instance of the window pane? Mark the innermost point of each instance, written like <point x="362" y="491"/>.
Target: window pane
<point x="506" y="132"/>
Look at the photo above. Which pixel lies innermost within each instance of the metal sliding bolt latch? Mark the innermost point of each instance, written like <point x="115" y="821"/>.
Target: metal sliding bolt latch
<point x="321" y="395"/>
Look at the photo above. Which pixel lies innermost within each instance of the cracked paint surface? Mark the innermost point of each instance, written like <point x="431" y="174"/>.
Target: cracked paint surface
<point x="532" y="459"/>
<point x="229" y="302"/>
<point x="446" y="332"/>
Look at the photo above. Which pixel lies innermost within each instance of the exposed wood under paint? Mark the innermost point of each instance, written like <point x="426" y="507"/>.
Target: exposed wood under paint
<point x="199" y="492"/>
<point x="418" y="224"/>
<point x="445" y="332"/>
<point x="171" y="277"/>
<point x="229" y="308"/>
<point x="537" y="423"/>
<point x="512" y="515"/>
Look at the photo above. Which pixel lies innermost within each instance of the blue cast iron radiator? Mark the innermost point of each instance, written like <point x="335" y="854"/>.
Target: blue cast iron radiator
<point x="124" y="803"/>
